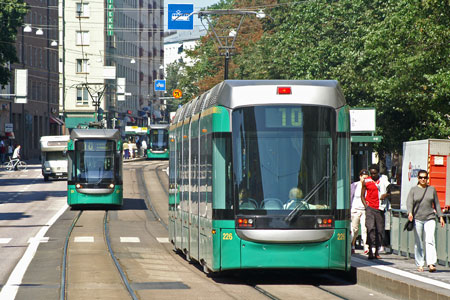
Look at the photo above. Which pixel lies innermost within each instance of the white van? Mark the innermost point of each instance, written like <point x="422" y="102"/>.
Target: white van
<point x="53" y="157"/>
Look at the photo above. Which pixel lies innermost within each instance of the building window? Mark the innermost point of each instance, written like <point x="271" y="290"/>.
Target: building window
<point x="82" y="10"/>
<point x="82" y="66"/>
<point x="82" y="96"/>
<point x="83" y="38"/>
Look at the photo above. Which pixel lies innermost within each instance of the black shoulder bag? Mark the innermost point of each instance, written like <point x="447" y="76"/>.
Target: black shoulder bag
<point x="409" y="226"/>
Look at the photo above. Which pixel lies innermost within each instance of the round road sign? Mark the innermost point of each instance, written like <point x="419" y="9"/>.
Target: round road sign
<point x="177" y="93"/>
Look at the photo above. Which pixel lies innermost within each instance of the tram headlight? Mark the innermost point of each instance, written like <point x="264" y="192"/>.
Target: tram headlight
<point x="78" y="186"/>
<point x="111" y="186"/>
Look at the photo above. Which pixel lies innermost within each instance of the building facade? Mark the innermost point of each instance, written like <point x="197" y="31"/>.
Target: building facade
<point x="26" y="121"/>
<point x="124" y="35"/>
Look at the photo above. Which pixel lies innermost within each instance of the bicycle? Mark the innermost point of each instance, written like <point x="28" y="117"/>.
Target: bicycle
<point x="14" y="163"/>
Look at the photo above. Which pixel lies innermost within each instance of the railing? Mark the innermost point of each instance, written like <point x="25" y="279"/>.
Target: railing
<point x="402" y="242"/>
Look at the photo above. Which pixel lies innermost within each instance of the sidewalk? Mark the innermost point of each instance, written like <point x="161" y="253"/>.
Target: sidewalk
<point x="397" y="276"/>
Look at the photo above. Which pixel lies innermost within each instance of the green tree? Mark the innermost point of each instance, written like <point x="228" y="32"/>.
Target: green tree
<point x="11" y="18"/>
<point x="392" y="55"/>
<point x="175" y="73"/>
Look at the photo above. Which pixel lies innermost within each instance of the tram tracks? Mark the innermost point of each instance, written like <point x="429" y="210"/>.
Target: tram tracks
<point x="93" y="221"/>
<point x="158" y="169"/>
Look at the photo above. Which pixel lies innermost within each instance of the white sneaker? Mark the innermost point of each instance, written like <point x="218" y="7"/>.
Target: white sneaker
<point x="381" y="250"/>
<point x="366" y="249"/>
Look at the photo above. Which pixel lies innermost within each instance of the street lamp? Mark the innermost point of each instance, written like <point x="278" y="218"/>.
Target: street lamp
<point x="27" y="28"/>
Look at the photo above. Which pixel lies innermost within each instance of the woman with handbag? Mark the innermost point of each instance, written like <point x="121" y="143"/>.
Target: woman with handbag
<point x="422" y="205"/>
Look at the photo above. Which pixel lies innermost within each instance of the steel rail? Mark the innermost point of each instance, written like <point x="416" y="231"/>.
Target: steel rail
<point x="116" y="262"/>
<point x="62" y="294"/>
<point x="148" y="199"/>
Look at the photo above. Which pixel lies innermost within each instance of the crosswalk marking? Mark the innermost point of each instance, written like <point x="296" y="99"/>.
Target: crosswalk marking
<point x="84" y="239"/>
<point x="129" y="239"/>
<point x="162" y="240"/>
<point x="5" y="240"/>
<point x="40" y="240"/>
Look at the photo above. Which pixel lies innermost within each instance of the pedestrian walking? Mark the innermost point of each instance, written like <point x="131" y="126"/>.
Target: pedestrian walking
<point x="423" y="205"/>
<point x="126" y="151"/>
<point x="144" y="147"/>
<point x="358" y="211"/>
<point x="3" y="150"/>
<point x="371" y="197"/>
<point x="10" y="151"/>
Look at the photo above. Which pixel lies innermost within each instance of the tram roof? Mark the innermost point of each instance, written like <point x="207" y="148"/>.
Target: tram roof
<point x="236" y="93"/>
<point x="158" y="126"/>
<point x="110" y="134"/>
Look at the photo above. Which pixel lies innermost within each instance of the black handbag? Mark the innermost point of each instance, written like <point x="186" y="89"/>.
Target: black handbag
<point x="409" y="225"/>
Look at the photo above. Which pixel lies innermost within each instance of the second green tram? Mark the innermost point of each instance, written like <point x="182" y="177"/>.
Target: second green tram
<point x="158" y="141"/>
<point x="259" y="176"/>
<point x="95" y="167"/>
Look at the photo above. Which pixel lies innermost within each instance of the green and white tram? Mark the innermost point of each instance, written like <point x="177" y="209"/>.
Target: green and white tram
<point x="95" y="167"/>
<point x="158" y="141"/>
<point x="259" y="176"/>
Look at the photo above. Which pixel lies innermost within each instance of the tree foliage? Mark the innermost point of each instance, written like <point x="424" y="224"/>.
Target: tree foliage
<point x="392" y="55"/>
<point x="11" y="18"/>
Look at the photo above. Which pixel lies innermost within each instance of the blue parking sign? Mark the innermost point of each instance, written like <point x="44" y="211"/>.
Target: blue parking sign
<point x="160" y="85"/>
<point x="180" y="16"/>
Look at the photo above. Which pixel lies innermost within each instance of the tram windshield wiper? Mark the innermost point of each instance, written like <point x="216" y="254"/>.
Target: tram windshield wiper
<point x="295" y="212"/>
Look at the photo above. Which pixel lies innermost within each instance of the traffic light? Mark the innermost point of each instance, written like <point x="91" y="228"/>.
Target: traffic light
<point x="100" y="114"/>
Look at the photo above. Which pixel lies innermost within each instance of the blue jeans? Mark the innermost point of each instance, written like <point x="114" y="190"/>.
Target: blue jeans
<point x="424" y="233"/>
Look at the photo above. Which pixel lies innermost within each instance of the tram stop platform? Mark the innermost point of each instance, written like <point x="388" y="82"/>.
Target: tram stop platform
<point x="397" y="276"/>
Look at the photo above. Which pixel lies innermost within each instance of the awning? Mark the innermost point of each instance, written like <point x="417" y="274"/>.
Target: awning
<point x="55" y="120"/>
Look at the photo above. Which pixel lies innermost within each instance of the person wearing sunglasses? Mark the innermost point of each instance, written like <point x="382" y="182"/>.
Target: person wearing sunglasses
<point x="423" y="205"/>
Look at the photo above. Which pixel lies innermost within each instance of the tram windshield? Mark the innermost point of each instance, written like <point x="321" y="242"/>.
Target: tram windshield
<point x="94" y="161"/>
<point x="282" y="158"/>
<point x="159" y="139"/>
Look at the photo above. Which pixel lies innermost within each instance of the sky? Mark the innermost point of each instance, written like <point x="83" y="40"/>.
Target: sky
<point x="198" y="4"/>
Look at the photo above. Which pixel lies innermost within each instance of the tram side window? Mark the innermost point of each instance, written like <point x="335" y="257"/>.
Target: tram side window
<point x="179" y="166"/>
<point x="194" y="176"/>
<point x="209" y="174"/>
<point x="185" y="173"/>
<point x="203" y="175"/>
<point x="222" y="178"/>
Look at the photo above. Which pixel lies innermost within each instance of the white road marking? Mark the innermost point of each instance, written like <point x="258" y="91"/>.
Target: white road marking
<point x="163" y="240"/>
<point x="84" y="239"/>
<point x="405" y="274"/>
<point x="41" y="240"/>
<point x="11" y="287"/>
<point x="129" y="239"/>
<point x="5" y="240"/>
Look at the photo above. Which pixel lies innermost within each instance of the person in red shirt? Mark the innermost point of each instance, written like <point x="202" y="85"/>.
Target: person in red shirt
<point x="370" y="197"/>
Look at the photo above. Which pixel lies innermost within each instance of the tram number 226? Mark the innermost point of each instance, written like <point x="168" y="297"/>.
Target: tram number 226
<point x="341" y="236"/>
<point x="227" y="236"/>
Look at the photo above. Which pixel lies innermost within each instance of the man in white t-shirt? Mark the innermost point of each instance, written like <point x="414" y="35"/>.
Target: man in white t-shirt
<point x="358" y="212"/>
